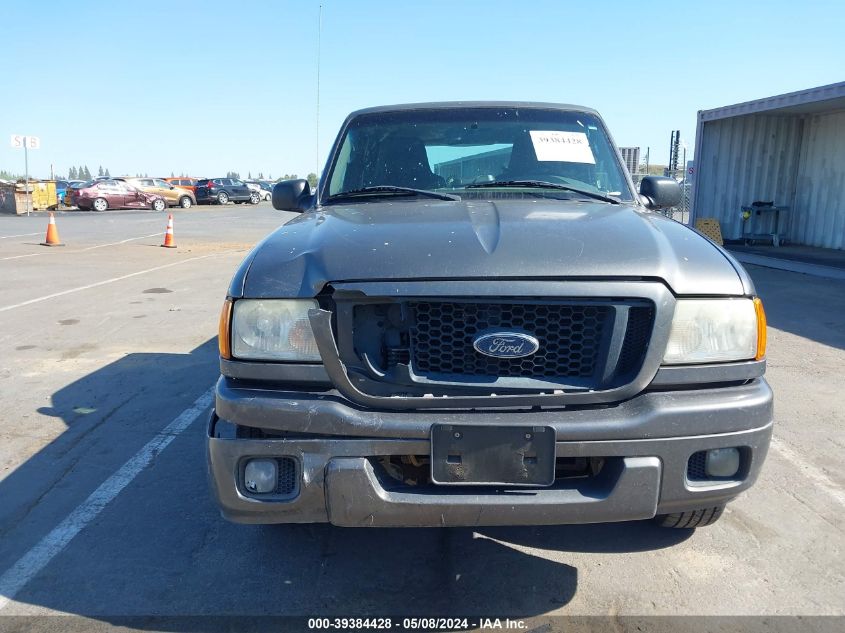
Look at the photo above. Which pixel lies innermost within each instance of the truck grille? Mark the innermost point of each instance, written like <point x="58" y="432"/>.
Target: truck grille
<point x="433" y="341"/>
<point x="570" y="338"/>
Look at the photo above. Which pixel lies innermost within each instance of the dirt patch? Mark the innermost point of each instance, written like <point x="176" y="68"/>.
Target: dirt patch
<point x="213" y="247"/>
<point x="75" y="352"/>
<point x="157" y="291"/>
<point x="68" y="321"/>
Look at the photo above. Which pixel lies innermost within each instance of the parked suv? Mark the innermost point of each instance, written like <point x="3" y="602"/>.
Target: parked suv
<point x="175" y="196"/>
<point x="477" y="320"/>
<point x="188" y="184"/>
<point x="222" y="190"/>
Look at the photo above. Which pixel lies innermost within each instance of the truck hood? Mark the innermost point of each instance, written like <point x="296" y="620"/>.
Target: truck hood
<point x="533" y="238"/>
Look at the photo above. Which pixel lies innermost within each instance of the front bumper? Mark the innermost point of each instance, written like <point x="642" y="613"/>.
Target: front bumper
<point x="646" y="441"/>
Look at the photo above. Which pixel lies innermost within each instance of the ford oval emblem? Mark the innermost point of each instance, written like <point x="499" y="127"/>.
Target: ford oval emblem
<point x="505" y="344"/>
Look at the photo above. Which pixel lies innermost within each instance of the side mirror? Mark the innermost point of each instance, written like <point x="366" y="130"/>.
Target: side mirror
<point x="292" y="195"/>
<point x="660" y="192"/>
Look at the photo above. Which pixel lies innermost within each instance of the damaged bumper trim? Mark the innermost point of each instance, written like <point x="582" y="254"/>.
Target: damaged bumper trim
<point x="340" y="485"/>
<point x="648" y="415"/>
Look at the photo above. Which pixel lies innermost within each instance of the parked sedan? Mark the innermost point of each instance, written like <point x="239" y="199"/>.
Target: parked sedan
<point x="175" y="196"/>
<point x="222" y="190"/>
<point x="115" y="194"/>
<point x="61" y="190"/>
<point x="259" y="187"/>
<point x="72" y="187"/>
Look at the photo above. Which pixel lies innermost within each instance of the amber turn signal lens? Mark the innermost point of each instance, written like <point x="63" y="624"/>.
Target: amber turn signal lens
<point x="224" y="330"/>
<point x="761" y="329"/>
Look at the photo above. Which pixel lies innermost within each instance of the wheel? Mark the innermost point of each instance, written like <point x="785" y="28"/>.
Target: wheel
<point x="159" y="204"/>
<point x="185" y="202"/>
<point x="267" y="197"/>
<point x="254" y="198"/>
<point x="691" y="519"/>
<point x="222" y="197"/>
<point x="100" y="204"/>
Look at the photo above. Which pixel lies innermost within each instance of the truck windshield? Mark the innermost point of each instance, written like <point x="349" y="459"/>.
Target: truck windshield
<point x="449" y="150"/>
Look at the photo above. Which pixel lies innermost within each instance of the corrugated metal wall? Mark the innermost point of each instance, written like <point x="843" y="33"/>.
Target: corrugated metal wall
<point x="743" y="159"/>
<point x="819" y="216"/>
<point x="795" y="161"/>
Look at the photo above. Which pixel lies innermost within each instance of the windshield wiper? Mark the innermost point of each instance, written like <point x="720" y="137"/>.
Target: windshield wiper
<point x="542" y="184"/>
<point x="390" y="189"/>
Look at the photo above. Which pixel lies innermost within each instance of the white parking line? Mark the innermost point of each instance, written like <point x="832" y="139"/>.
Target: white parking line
<point x="20" y="256"/>
<point x="90" y="248"/>
<point x="6" y="237"/>
<point x="36" y="559"/>
<point x="816" y="475"/>
<point x="102" y="283"/>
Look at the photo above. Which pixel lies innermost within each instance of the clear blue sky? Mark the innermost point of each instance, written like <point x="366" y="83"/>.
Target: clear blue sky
<point x="208" y="87"/>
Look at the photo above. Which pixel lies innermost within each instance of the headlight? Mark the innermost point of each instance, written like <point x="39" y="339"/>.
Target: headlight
<point x="273" y="329"/>
<point x="716" y="330"/>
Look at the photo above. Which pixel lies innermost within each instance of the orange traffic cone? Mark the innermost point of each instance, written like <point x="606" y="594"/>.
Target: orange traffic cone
<point x="52" y="238"/>
<point x="169" y="242"/>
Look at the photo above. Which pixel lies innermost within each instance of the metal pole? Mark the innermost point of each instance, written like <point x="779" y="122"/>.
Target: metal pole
<point x="319" y="33"/>
<point x="26" y="171"/>
<point x="684" y="199"/>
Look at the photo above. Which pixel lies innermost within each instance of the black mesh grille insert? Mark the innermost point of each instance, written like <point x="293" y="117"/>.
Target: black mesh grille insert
<point x="640" y="320"/>
<point x="570" y="338"/>
<point x="286" y="484"/>
<point x="695" y="467"/>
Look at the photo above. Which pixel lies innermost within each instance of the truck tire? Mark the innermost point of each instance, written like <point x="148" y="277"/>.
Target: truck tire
<point x="691" y="519"/>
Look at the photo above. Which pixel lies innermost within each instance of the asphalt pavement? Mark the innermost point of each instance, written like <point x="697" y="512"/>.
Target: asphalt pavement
<point x="109" y="353"/>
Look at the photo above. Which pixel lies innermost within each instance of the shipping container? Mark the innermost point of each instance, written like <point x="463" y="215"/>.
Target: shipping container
<point x="788" y="150"/>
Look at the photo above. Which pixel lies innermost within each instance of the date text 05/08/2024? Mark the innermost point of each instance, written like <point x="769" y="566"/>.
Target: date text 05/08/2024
<point x="416" y="624"/>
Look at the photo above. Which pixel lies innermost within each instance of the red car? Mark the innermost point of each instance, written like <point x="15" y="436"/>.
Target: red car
<point x="115" y="194"/>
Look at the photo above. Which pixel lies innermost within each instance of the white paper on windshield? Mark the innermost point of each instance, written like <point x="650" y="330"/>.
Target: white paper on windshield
<point x="568" y="147"/>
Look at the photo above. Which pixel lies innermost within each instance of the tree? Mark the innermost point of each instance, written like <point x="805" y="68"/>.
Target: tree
<point x="71" y="174"/>
<point x="312" y="179"/>
<point x="249" y="175"/>
<point x="261" y="175"/>
<point x="172" y="175"/>
<point x="100" y="171"/>
<point x="87" y="173"/>
<point x="108" y="175"/>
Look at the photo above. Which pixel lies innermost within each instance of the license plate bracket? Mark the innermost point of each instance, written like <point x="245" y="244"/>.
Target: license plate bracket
<point x="489" y="455"/>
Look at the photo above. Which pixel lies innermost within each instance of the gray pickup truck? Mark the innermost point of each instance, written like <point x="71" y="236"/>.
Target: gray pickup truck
<point x="476" y="319"/>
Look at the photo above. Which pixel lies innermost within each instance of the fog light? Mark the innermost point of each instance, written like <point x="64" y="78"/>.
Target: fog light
<point x="260" y="475"/>
<point x="722" y="462"/>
